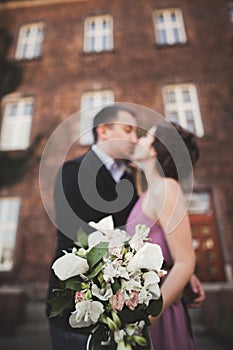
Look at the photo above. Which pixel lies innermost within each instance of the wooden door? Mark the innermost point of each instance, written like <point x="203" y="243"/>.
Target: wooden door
<point x="209" y="261"/>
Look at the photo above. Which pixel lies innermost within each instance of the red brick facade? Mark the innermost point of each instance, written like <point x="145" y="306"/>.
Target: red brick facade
<point x="136" y="70"/>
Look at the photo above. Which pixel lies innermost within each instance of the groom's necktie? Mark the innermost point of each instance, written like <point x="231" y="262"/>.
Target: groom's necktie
<point x="117" y="169"/>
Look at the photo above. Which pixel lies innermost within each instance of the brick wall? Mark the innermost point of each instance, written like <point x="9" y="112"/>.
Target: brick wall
<point x="136" y="70"/>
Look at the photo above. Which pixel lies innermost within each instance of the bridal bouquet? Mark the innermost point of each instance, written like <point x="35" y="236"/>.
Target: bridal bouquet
<point x="110" y="281"/>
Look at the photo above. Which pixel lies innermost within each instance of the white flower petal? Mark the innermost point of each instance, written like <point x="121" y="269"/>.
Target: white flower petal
<point x="150" y="278"/>
<point x="87" y="313"/>
<point x="141" y="232"/>
<point x="104" y="224"/>
<point x="96" y="310"/>
<point x="102" y="294"/>
<point x="144" y="296"/>
<point x="149" y="256"/>
<point x="155" y="291"/>
<point x="70" y="265"/>
<point x="95" y="238"/>
<point x="130" y="285"/>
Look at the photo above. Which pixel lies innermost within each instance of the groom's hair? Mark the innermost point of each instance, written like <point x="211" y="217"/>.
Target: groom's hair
<point x="108" y="115"/>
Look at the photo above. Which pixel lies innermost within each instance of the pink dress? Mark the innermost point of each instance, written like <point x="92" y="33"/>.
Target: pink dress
<point x="172" y="331"/>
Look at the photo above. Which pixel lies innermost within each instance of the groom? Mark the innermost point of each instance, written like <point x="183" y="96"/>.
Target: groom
<point x="90" y="188"/>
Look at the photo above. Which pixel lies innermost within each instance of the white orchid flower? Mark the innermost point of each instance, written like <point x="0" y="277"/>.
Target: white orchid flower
<point x="70" y="265"/>
<point x="151" y="280"/>
<point x="109" y="273"/>
<point x="132" y="284"/>
<point x="106" y="233"/>
<point x="113" y="269"/>
<point x="103" y="293"/>
<point x="149" y="257"/>
<point x="141" y="232"/>
<point x="128" y="256"/>
<point x="155" y="291"/>
<point x="122" y="272"/>
<point x="117" y="239"/>
<point x="87" y="313"/>
<point x="144" y="296"/>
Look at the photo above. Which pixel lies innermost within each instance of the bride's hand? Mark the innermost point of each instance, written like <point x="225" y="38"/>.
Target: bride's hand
<point x="153" y="320"/>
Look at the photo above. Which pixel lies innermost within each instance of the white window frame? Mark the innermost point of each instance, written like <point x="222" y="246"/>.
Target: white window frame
<point x="30" y="41"/>
<point x="98" y="34"/>
<point x="9" y="216"/>
<point x="169" y="31"/>
<point x="91" y="103"/>
<point x="181" y="106"/>
<point x="16" y="124"/>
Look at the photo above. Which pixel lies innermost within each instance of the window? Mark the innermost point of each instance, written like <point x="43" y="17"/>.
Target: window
<point x="98" y="34"/>
<point x="89" y="100"/>
<point x="30" y="41"/>
<point x="9" y="213"/>
<point x="182" y="107"/>
<point x="199" y="203"/>
<point x="169" y="27"/>
<point x="16" y="125"/>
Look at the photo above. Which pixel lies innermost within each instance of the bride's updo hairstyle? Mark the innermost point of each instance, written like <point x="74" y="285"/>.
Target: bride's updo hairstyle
<point x="166" y="138"/>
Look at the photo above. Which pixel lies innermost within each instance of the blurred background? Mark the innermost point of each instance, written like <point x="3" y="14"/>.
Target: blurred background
<point x="61" y="56"/>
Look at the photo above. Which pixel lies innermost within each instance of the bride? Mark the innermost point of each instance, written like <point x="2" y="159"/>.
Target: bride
<point x="162" y="207"/>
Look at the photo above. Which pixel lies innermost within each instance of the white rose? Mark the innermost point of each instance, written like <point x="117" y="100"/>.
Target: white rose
<point x="149" y="257"/>
<point x="87" y="313"/>
<point x="70" y="265"/>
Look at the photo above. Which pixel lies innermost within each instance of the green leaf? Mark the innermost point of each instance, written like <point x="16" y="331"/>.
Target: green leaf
<point x="73" y="283"/>
<point x="96" y="270"/>
<point x="59" y="304"/>
<point x="96" y="253"/>
<point x="116" y="286"/>
<point x="140" y="340"/>
<point x="60" y="292"/>
<point x="155" y="307"/>
<point x="82" y="238"/>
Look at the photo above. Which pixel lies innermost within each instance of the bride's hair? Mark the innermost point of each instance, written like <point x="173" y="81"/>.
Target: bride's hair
<point x="166" y="139"/>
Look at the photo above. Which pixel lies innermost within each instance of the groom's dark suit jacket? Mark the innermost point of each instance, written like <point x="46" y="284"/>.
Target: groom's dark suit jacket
<point x="96" y="180"/>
